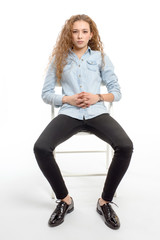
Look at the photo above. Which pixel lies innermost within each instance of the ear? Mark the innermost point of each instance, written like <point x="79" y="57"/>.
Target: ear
<point x="91" y="35"/>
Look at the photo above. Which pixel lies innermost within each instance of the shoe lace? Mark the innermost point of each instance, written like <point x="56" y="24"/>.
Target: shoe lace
<point x="112" y="213"/>
<point x="114" y="204"/>
<point x="60" y="204"/>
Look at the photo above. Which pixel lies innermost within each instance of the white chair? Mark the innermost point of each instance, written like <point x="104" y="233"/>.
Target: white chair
<point x="107" y="151"/>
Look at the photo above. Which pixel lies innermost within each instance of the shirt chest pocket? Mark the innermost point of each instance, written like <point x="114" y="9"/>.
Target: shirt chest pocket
<point x="92" y="65"/>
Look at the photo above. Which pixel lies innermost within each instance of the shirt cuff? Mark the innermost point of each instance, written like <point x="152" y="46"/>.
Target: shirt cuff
<point x="58" y="100"/>
<point x="117" y="96"/>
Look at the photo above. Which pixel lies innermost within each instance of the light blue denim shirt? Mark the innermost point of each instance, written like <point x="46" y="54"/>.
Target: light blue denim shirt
<point x="81" y="75"/>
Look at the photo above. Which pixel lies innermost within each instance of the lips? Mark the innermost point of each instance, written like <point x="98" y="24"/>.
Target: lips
<point x="79" y="42"/>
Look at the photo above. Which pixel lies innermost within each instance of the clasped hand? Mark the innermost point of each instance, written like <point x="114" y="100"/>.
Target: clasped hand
<point x="83" y="99"/>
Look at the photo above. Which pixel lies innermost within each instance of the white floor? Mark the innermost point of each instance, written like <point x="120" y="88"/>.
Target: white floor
<point x="26" y="203"/>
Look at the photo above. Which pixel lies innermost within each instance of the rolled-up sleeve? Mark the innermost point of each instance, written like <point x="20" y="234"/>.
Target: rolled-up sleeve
<point x="110" y="79"/>
<point x="48" y="91"/>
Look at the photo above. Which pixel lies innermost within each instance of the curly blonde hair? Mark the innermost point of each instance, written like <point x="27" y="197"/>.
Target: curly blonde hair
<point x="64" y="42"/>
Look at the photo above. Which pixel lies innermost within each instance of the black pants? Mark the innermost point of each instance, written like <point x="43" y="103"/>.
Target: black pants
<point x="63" y="127"/>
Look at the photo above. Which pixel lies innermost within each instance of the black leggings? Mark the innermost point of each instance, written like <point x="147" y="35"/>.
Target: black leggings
<point x="63" y="127"/>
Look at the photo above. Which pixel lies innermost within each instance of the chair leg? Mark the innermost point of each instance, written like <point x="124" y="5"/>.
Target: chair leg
<point x="107" y="156"/>
<point x="53" y="195"/>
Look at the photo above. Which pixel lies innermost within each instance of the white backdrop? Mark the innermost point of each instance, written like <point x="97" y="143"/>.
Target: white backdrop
<point x="130" y="33"/>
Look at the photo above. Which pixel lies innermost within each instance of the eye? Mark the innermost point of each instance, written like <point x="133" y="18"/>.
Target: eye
<point x="74" y="31"/>
<point x="85" y="31"/>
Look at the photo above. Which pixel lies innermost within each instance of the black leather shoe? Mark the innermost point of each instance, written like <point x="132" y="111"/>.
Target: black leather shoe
<point x="59" y="213"/>
<point x="109" y="216"/>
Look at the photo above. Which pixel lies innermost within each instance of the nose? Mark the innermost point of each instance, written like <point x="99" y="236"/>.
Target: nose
<point x="79" y="35"/>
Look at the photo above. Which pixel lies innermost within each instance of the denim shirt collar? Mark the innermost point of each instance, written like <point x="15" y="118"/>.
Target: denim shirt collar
<point x="87" y="51"/>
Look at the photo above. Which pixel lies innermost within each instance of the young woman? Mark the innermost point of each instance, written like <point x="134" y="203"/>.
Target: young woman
<point x="79" y="64"/>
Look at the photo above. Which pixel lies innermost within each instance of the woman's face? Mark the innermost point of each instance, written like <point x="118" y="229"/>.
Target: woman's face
<point x="81" y="35"/>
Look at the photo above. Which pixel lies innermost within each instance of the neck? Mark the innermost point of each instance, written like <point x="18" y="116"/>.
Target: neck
<point x="79" y="52"/>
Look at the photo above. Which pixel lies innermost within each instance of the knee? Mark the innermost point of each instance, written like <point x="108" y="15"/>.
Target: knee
<point x="37" y="148"/>
<point x="41" y="148"/>
<point x="125" y="147"/>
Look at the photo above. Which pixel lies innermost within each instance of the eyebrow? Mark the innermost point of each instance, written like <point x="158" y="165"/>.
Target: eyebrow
<point x="82" y="29"/>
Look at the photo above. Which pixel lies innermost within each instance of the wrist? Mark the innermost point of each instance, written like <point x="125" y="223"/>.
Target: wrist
<point x="65" y="99"/>
<point x="100" y="98"/>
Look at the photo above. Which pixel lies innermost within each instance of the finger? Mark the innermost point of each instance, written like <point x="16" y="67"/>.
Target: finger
<point x="79" y="101"/>
<point x="88" y="105"/>
<point x="82" y="105"/>
<point x="81" y="94"/>
<point x="87" y="102"/>
<point x="86" y="94"/>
